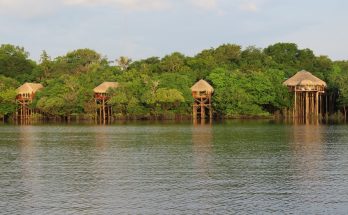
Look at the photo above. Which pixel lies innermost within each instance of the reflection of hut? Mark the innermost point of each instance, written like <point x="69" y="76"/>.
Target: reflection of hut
<point x="25" y="96"/>
<point x="202" y="92"/>
<point x="202" y="138"/>
<point x="307" y="144"/>
<point x="101" y="96"/>
<point x="308" y="95"/>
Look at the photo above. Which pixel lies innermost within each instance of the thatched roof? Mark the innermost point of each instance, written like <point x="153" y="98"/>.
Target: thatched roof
<point x="304" y="78"/>
<point x="29" y="88"/>
<point x="103" y="88"/>
<point x="202" y="85"/>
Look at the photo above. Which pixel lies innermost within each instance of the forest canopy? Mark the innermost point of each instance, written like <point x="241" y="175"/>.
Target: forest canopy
<point x="247" y="81"/>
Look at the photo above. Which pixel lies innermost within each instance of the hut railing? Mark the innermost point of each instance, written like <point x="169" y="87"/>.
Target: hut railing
<point x="201" y="95"/>
<point x="307" y="89"/>
<point x="101" y="96"/>
<point x="25" y="96"/>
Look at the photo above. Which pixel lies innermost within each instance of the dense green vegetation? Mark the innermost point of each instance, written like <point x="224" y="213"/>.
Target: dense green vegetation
<point x="247" y="82"/>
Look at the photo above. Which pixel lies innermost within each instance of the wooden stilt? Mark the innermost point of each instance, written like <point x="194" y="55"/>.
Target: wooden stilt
<point x="326" y="109"/>
<point x="317" y="104"/>
<point x="103" y="108"/>
<point x="307" y="108"/>
<point x="202" y="109"/>
<point x="295" y="106"/>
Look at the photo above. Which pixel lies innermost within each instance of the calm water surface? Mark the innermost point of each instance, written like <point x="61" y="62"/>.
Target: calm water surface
<point x="226" y="168"/>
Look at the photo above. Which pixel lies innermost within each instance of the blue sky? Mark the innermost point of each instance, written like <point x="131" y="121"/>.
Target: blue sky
<point x="145" y="28"/>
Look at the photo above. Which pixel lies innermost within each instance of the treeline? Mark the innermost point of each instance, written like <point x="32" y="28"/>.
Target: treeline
<point x="247" y="82"/>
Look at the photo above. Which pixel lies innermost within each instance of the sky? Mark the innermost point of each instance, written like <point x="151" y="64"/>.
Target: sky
<point x="144" y="28"/>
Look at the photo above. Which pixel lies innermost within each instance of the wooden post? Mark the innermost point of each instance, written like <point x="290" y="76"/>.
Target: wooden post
<point x="295" y="104"/>
<point x="103" y="110"/>
<point x="301" y="106"/>
<point x="202" y="109"/>
<point x="99" y="113"/>
<point x="210" y="113"/>
<point x="307" y="106"/>
<point x="112" y="114"/>
<point x="17" y="110"/>
<point x="109" y="115"/>
<point x="317" y="104"/>
<point x="194" y="109"/>
<point x="326" y="111"/>
<point x="313" y="105"/>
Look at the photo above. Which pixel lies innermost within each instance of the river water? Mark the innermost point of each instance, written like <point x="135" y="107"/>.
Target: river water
<point x="168" y="168"/>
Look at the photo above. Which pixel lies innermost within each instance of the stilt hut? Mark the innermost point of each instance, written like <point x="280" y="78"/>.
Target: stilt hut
<point x="101" y="96"/>
<point x="25" y="96"/>
<point x="202" y="93"/>
<point x="308" y="95"/>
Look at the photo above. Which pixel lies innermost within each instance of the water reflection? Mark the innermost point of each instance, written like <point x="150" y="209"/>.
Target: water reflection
<point x="102" y="138"/>
<point x="29" y="166"/>
<point x="27" y="150"/>
<point x="307" y="146"/>
<point x="244" y="168"/>
<point x="202" y="137"/>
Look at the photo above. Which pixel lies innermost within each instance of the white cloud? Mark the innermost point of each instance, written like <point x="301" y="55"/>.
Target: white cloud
<point x="205" y="4"/>
<point x="327" y="42"/>
<point x="208" y="5"/>
<point x="249" y="6"/>
<point x="26" y="8"/>
<point x="130" y="5"/>
<point x="32" y="8"/>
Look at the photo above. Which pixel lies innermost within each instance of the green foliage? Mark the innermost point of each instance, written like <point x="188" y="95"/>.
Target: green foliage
<point x="14" y="62"/>
<point x="247" y="82"/>
<point x="78" y="61"/>
<point x="338" y="80"/>
<point x="7" y="95"/>
<point x="230" y="97"/>
<point x="227" y="54"/>
<point x="343" y="90"/>
<point x="284" y="54"/>
<point x="166" y="99"/>
<point x="64" y="96"/>
<point x="256" y="93"/>
<point x="254" y="59"/>
<point x="123" y="62"/>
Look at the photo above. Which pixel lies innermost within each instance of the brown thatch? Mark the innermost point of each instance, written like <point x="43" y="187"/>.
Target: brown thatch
<point x="202" y="86"/>
<point x="29" y="88"/>
<point x="103" y="88"/>
<point x="304" y="78"/>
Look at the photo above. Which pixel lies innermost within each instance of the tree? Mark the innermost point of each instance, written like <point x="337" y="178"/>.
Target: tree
<point x="342" y="81"/>
<point x="227" y="54"/>
<point x="78" y="61"/>
<point x="44" y="69"/>
<point x="14" y="62"/>
<point x="64" y="96"/>
<point x="231" y="98"/>
<point x="254" y="59"/>
<point x="176" y="62"/>
<point x="285" y="55"/>
<point x="168" y="98"/>
<point x="123" y="62"/>
<point x="7" y="96"/>
<point x="306" y="60"/>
